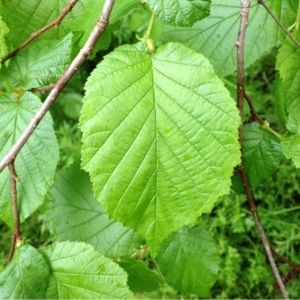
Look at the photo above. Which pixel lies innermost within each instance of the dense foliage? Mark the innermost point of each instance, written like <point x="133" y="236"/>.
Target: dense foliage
<point x="126" y="187"/>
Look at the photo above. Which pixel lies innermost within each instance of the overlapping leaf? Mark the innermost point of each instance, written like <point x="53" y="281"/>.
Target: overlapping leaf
<point x="72" y="214"/>
<point x="40" y="64"/>
<point x="180" y="12"/>
<point x="216" y="35"/>
<point x="26" y="276"/>
<point x="189" y="260"/>
<point x="79" y="272"/>
<point x="140" y="277"/>
<point x="159" y="138"/>
<point x="36" y="163"/>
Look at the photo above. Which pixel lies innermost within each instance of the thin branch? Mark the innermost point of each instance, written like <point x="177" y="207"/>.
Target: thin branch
<point x="17" y="237"/>
<point x="43" y="89"/>
<point x="85" y="51"/>
<point x="12" y="248"/>
<point x="278" y="22"/>
<point x="34" y="35"/>
<point x="245" y="9"/>
<point x="253" y="112"/>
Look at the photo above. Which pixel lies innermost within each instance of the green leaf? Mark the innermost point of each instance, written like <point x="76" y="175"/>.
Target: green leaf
<point x="40" y="64"/>
<point x="36" y="163"/>
<point x="180" y="12"/>
<point x="140" y="278"/>
<point x="291" y="143"/>
<point x="3" y="31"/>
<point x="279" y="101"/>
<point x="291" y="148"/>
<point x="262" y="154"/>
<point x="78" y="271"/>
<point x="71" y="213"/>
<point x="159" y="138"/>
<point x="189" y="260"/>
<point x="288" y="64"/>
<point x="216" y="35"/>
<point x="26" y="276"/>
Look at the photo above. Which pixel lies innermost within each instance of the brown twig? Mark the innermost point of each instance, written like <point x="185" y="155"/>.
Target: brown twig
<point x="17" y="237"/>
<point x="34" y="35"/>
<point x="44" y="89"/>
<point x="278" y="22"/>
<point x="245" y="9"/>
<point x="253" y="112"/>
<point x="292" y="274"/>
<point x="85" y="51"/>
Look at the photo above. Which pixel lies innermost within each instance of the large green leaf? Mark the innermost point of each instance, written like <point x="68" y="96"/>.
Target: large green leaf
<point x="26" y="276"/>
<point x="189" y="260"/>
<point x="3" y="31"/>
<point x="77" y="271"/>
<point x="71" y="213"/>
<point x="140" y="277"/>
<point x="180" y="12"/>
<point x="40" y="64"/>
<point x="159" y="137"/>
<point x="36" y="163"/>
<point x="216" y="35"/>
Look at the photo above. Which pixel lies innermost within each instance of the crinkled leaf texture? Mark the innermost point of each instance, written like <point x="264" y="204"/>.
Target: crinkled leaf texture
<point x="36" y="163"/>
<point x="26" y="276"/>
<point x="288" y="64"/>
<point x="140" y="277"/>
<point x="40" y="64"/>
<point x="77" y="271"/>
<point x="159" y="137"/>
<point x="71" y="213"/>
<point x="180" y="12"/>
<point x="215" y="36"/>
<point x="262" y="154"/>
<point x="189" y="260"/>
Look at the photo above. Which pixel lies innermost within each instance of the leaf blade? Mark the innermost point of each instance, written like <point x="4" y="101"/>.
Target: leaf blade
<point x="145" y="165"/>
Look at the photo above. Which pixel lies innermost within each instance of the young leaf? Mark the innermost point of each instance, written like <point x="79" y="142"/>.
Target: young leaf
<point x="40" y="64"/>
<point x="159" y="137"/>
<point x="180" y="12"/>
<point x="140" y="278"/>
<point x="71" y="213"/>
<point x="26" y="276"/>
<point x="78" y="271"/>
<point x="189" y="260"/>
<point x="3" y="31"/>
<point x="216" y="35"/>
<point x="36" y="163"/>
